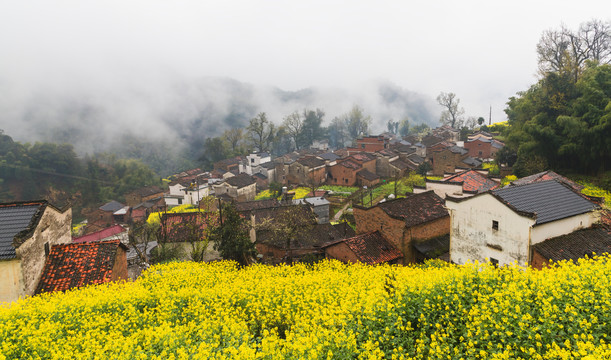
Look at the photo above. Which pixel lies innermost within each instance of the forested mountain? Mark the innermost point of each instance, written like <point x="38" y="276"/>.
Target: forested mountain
<point x="166" y="126"/>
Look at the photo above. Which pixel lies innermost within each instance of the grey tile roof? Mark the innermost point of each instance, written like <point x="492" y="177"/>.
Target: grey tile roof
<point x="576" y="245"/>
<point x="112" y="206"/>
<point x="240" y="180"/>
<point x="15" y="218"/>
<point x="549" y="200"/>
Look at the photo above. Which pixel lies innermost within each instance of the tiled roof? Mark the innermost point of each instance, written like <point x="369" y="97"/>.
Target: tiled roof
<point x="416" y="209"/>
<point x="387" y="153"/>
<point x="404" y="149"/>
<point x="311" y="161"/>
<point x="268" y="165"/>
<point x="350" y="164"/>
<point x="434" y="247"/>
<point x="15" y="218"/>
<point x="344" y="229"/>
<point x="172" y="224"/>
<point x="258" y="204"/>
<point x="112" y="206"/>
<point x="363" y="157"/>
<point x="549" y="200"/>
<point x="367" y="175"/>
<point x="371" y="248"/>
<point x="416" y="158"/>
<point x="329" y="156"/>
<point x="101" y="234"/>
<point x="458" y="150"/>
<point x="471" y="161"/>
<point x="240" y="180"/>
<point x="147" y="191"/>
<point x="473" y="181"/>
<point x="547" y="175"/>
<point x="78" y="264"/>
<point x="313" y="234"/>
<point x="260" y="176"/>
<point x="431" y="140"/>
<point x="576" y="245"/>
<point x="399" y="164"/>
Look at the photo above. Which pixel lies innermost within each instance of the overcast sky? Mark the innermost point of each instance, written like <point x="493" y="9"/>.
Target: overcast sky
<point x="484" y="51"/>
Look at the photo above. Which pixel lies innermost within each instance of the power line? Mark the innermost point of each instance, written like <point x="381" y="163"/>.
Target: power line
<point x="47" y="172"/>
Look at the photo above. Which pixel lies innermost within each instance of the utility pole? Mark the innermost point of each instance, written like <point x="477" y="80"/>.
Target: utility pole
<point x="490" y="117"/>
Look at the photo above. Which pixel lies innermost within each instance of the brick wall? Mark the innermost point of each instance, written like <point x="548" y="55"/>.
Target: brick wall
<point x="341" y="175"/>
<point x="341" y="252"/>
<point x="479" y="149"/>
<point x="446" y="161"/>
<point x="395" y="231"/>
<point x="119" y="270"/>
<point x="538" y="261"/>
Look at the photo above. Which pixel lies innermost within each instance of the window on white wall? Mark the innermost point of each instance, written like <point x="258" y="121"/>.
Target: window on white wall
<point x="495" y="225"/>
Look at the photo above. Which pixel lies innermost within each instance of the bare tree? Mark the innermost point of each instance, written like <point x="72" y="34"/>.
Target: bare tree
<point x="234" y="137"/>
<point x="261" y="132"/>
<point x="452" y="114"/>
<point x="566" y="51"/>
<point x="293" y="124"/>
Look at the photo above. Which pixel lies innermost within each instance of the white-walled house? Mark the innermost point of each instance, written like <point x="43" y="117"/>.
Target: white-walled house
<point x="252" y="164"/>
<point x="185" y="193"/>
<point x="502" y="225"/>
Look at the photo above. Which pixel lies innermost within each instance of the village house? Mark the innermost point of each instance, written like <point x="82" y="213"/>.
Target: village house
<point x="178" y="230"/>
<point x="115" y="232"/>
<point x="384" y="158"/>
<point x="483" y="148"/>
<point x="369" y="248"/>
<point x="228" y="165"/>
<point x="241" y="187"/>
<point x="369" y="144"/>
<point x="181" y="193"/>
<point x="446" y="160"/>
<point x="138" y="196"/>
<point x="142" y="211"/>
<point x="309" y="233"/>
<point x="545" y="176"/>
<point x="343" y="173"/>
<point x="407" y="223"/>
<point x="503" y="225"/>
<point x="252" y="162"/>
<point x="75" y="265"/>
<point x="366" y="178"/>
<point x="447" y="133"/>
<point x="28" y="230"/>
<point x="322" y="145"/>
<point x="463" y="184"/>
<point x="104" y="217"/>
<point x="574" y="246"/>
<point x="307" y="170"/>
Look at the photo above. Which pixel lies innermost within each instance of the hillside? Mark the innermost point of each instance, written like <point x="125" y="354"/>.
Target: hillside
<point x="328" y="310"/>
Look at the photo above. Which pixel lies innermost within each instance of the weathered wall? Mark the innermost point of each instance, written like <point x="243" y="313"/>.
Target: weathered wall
<point x="443" y="189"/>
<point x="119" y="269"/>
<point x="53" y="228"/>
<point x="11" y="281"/>
<point x="341" y="175"/>
<point x="538" y="261"/>
<point x="473" y="238"/>
<point x="394" y="230"/>
<point x="543" y="232"/>
<point x="341" y="252"/>
<point x="479" y="149"/>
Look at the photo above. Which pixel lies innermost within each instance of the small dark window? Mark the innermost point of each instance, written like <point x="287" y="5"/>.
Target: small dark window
<point x="252" y="161"/>
<point x="495" y="225"/>
<point x="494" y="262"/>
<point x="47" y="249"/>
<point x="346" y="180"/>
<point x="480" y="153"/>
<point x="179" y="201"/>
<point x="362" y="146"/>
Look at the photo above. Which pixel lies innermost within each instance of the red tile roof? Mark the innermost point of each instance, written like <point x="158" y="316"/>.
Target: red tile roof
<point x="78" y="264"/>
<point x="473" y="181"/>
<point x="363" y="157"/>
<point x="99" y="235"/>
<point x="371" y="248"/>
<point x="350" y="164"/>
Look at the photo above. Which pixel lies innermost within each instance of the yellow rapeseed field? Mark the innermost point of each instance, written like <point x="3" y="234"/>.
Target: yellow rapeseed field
<point x="328" y="310"/>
